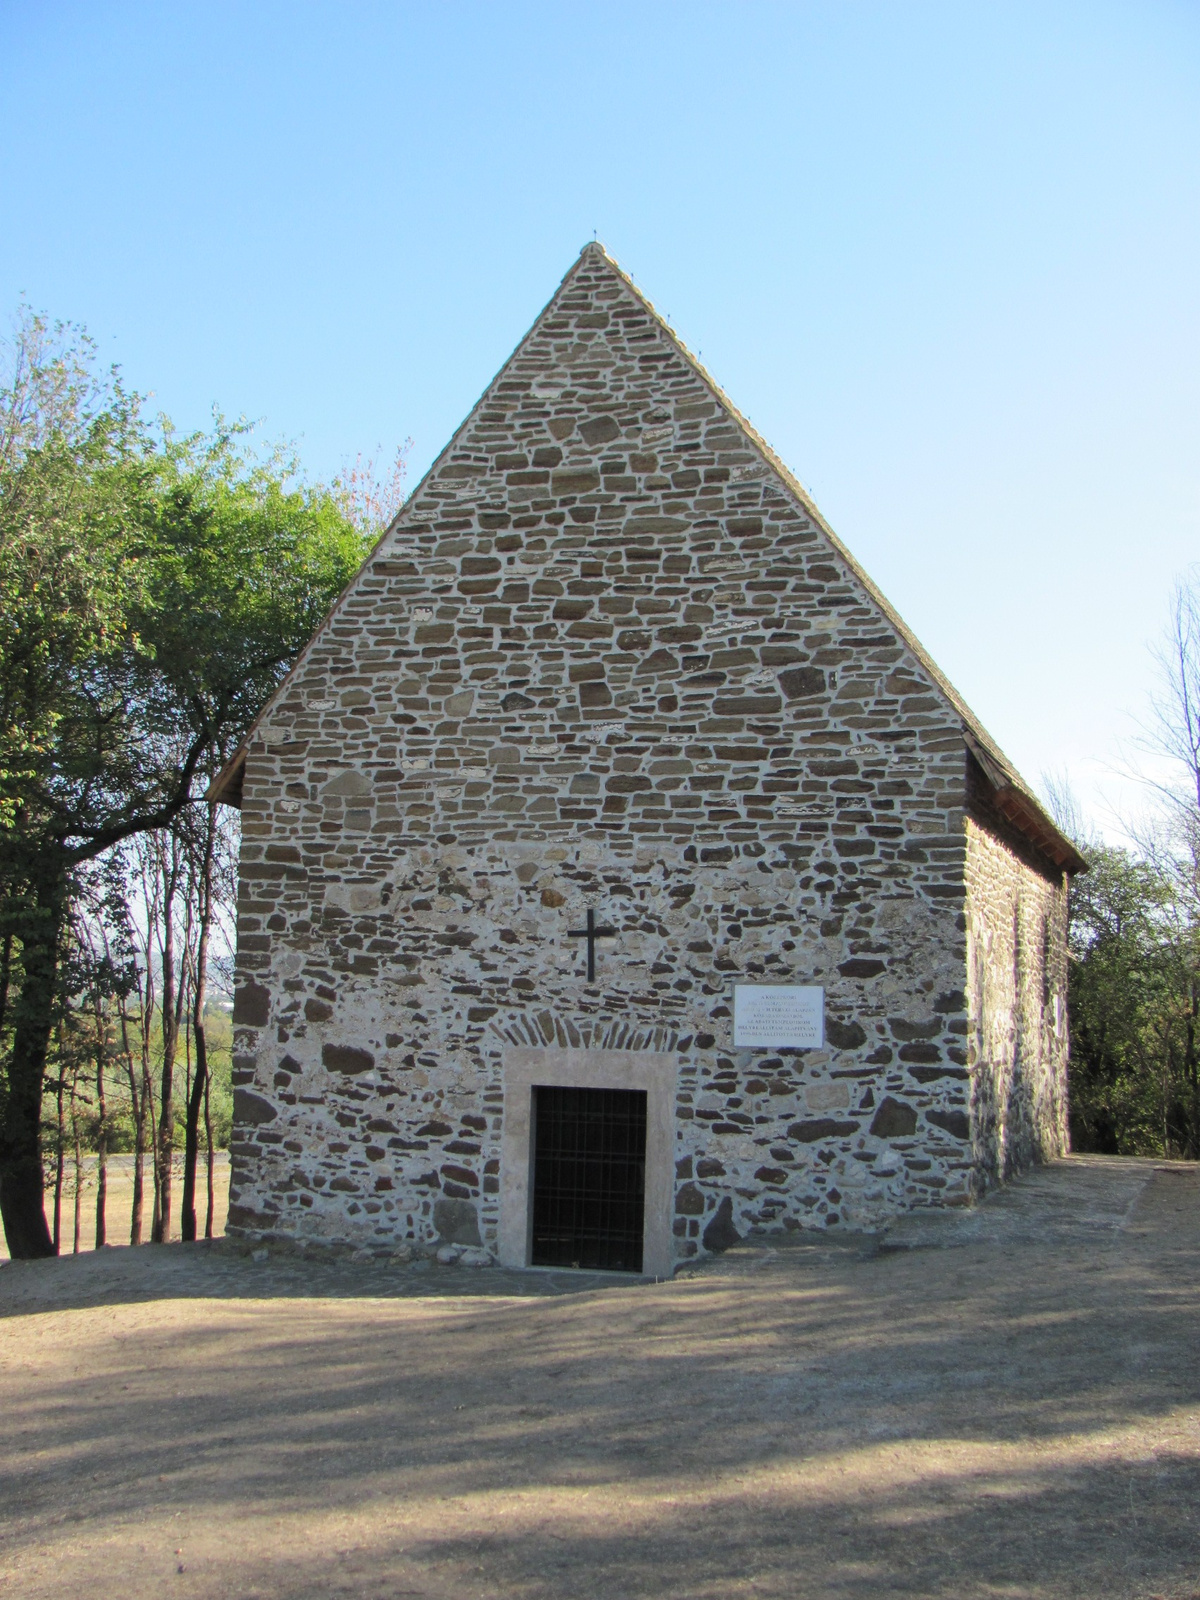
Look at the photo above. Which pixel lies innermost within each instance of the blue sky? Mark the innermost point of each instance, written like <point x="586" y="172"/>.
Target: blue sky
<point x="944" y="256"/>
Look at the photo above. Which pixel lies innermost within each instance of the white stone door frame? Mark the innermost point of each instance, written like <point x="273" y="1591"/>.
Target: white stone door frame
<point x="649" y="1070"/>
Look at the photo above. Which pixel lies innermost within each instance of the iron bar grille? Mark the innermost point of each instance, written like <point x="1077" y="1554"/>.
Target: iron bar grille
<point x="589" y="1178"/>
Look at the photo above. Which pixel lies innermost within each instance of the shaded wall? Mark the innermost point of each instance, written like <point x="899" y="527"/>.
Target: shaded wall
<point x="1017" y="1003"/>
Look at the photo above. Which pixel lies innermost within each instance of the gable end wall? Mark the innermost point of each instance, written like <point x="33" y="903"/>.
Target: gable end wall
<point x="604" y="659"/>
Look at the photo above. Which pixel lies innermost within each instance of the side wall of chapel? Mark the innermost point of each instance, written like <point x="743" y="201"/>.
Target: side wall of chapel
<point x="1017" y="1004"/>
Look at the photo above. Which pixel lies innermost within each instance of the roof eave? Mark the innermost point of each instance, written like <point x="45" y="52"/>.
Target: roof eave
<point x="1015" y="805"/>
<point x="1018" y="808"/>
<point x="226" y="787"/>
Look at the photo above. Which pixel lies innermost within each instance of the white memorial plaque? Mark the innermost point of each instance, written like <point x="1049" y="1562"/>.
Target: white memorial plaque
<point x="778" y="1016"/>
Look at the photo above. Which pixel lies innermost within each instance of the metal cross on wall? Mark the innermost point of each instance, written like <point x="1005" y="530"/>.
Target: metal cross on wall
<point x="591" y="933"/>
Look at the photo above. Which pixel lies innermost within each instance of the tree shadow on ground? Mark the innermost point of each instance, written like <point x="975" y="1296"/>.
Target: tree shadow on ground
<point x="933" y="1422"/>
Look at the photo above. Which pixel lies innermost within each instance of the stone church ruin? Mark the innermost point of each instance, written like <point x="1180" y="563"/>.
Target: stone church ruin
<point x="619" y="876"/>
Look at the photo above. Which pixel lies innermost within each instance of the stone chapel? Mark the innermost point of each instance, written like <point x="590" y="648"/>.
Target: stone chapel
<point x="619" y="876"/>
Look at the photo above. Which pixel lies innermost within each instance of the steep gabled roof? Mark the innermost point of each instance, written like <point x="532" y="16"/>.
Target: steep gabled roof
<point x="1010" y="794"/>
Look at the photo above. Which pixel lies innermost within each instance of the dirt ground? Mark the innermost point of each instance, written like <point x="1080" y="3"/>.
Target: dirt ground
<point x="1002" y="1403"/>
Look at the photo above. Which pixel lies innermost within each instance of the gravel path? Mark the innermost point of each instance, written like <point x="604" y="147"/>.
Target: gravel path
<point x="1001" y="1403"/>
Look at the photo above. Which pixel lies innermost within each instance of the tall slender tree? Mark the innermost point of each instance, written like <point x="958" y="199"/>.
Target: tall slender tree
<point x="206" y="890"/>
<point x="169" y="857"/>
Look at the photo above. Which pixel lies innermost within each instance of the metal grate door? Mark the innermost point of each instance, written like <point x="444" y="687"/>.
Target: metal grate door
<point x="589" y="1178"/>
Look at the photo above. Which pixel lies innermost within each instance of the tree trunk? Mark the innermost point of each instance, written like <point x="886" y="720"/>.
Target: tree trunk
<point x="123" y="1016"/>
<point x="144" y="1139"/>
<point x="208" y="1146"/>
<point x="137" y="1105"/>
<point x="138" y="1205"/>
<point x="60" y="1150"/>
<point x="1192" y="1067"/>
<point x="164" y="1148"/>
<point x="101" y="1129"/>
<point x="78" y="1154"/>
<point x="21" y="1175"/>
<point x="198" y="1096"/>
<point x="5" y="975"/>
<point x="196" y="1102"/>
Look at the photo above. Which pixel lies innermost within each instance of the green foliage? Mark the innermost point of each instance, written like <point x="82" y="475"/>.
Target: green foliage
<point x="1134" y="982"/>
<point x="153" y="592"/>
<point x="75" y="560"/>
<point x="247" y="561"/>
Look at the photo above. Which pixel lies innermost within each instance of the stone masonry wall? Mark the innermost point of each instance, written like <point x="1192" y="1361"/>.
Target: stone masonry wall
<point x="1017" y="997"/>
<point x="606" y="658"/>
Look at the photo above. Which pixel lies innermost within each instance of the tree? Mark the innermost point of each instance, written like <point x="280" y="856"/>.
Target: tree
<point x="1173" y="848"/>
<point x="212" y="861"/>
<point x="369" y="495"/>
<point x="1115" y="993"/>
<point x="1175" y="728"/>
<point x="74" y="487"/>
<point x="167" y="856"/>
<point x="1134" y="989"/>
<point x="153" y="591"/>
